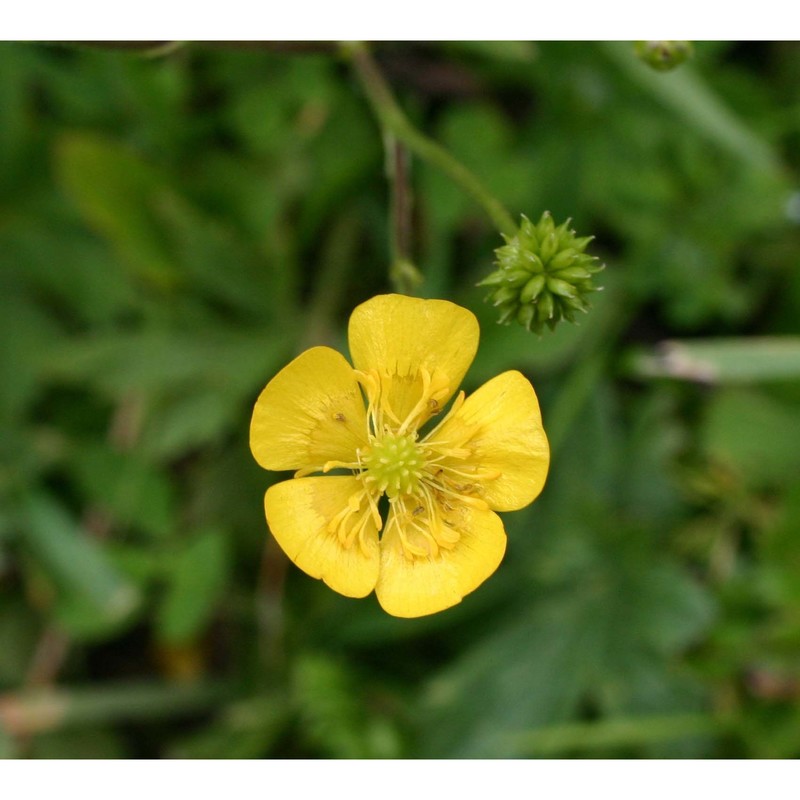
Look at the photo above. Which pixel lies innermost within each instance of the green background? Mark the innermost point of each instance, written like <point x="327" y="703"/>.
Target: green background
<point x="176" y="226"/>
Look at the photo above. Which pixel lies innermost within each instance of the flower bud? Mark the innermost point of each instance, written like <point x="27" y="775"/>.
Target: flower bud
<point x="664" y="56"/>
<point x="543" y="275"/>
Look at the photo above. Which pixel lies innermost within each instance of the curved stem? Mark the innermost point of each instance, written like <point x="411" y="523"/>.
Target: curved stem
<point x="394" y="120"/>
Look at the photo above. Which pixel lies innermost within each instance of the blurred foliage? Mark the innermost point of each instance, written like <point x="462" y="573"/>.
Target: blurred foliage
<point x="174" y="228"/>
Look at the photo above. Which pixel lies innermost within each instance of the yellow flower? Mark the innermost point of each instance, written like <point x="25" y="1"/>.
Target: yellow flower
<point x="441" y="538"/>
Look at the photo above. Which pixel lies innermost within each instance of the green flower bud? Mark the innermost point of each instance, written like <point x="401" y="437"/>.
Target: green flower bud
<point x="543" y="275"/>
<point x="664" y="56"/>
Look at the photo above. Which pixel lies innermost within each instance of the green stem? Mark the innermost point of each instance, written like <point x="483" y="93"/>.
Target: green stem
<point x="39" y="710"/>
<point x="394" y="120"/>
<point x="397" y="169"/>
<point x="404" y="275"/>
<point x="556" y="740"/>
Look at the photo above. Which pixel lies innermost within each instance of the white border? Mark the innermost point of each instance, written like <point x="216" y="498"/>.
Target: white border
<point x="408" y="20"/>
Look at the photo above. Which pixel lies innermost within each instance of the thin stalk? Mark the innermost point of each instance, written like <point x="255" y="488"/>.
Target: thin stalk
<point x="404" y="275"/>
<point x="394" y="120"/>
<point x="556" y="740"/>
<point x="401" y="199"/>
<point x="33" y="711"/>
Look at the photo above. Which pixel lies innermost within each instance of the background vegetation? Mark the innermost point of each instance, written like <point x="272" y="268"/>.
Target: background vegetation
<point x="175" y="227"/>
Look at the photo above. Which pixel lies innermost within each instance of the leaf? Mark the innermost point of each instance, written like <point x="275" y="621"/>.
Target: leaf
<point x="95" y="742"/>
<point x="508" y="50"/>
<point x="123" y="484"/>
<point x="117" y="192"/>
<point x="754" y="435"/>
<point x="556" y="740"/>
<point x="195" y="586"/>
<point x="217" y="263"/>
<point x="95" y="596"/>
<point x="18" y="634"/>
<point x="334" y="715"/>
<point x="245" y="729"/>
<point x="187" y="420"/>
<point x="163" y="362"/>
<point x="687" y="94"/>
<point x="622" y="612"/>
<point x="33" y="333"/>
<point x="725" y="361"/>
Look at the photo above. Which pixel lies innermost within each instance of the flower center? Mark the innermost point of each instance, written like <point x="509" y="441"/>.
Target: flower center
<point x="394" y="464"/>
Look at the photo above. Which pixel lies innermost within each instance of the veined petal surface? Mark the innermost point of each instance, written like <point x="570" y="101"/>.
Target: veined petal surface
<point x="414" y="587"/>
<point x="300" y="513"/>
<point x="501" y="425"/>
<point x="399" y="337"/>
<point x="310" y="413"/>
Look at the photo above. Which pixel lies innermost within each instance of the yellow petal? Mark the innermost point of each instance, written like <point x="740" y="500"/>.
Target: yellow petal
<point x="300" y="512"/>
<point x="501" y="425"/>
<point x="310" y="413"/>
<point x="420" y="585"/>
<point x="401" y="337"/>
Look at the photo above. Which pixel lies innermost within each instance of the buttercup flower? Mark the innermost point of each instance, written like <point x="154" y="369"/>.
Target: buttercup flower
<point x="441" y="537"/>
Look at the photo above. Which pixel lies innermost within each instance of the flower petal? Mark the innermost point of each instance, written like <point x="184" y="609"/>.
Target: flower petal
<point x="310" y="413"/>
<point x="501" y="425"/>
<point x="414" y="587"/>
<point x="300" y="512"/>
<point x="400" y="337"/>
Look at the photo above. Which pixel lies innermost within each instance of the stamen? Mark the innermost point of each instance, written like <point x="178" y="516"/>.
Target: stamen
<point x="421" y="403"/>
<point x="466" y="499"/>
<point x="429" y="483"/>
<point x="348" y="530"/>
<point x="409" y="550"/>
<point x="329" y="465"/>
<point x="457" y="403"/>
<point x="472" y="473"/>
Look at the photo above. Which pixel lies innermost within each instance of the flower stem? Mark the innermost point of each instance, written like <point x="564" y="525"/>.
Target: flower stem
<point x="403" y="274"/>
<point x="394" y="120"/>
<point x="397" y="158"/>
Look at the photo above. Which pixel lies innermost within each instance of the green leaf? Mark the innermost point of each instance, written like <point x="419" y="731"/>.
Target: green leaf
<point x="754" y="435"/>
<point x="216" y="262"/>
<point x="117" y="193"/>
<point x="18" y="633"/>
<point x="556" y="740"/>
<point x="686" y="93"/>
<point x="93" y="742"/>
<point x="123" y="484"/>
<point x="245" y="729"/>
<point x="722" y="361"/>
<point x="33" y="333"/>
<point x="97" y="595"/>
<point x="512" y="51"/>
<point x="621" y="613"/>
<point x="165" y="362"/>
<point x="195" y="586"/>
<point x="333" y="713"/>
